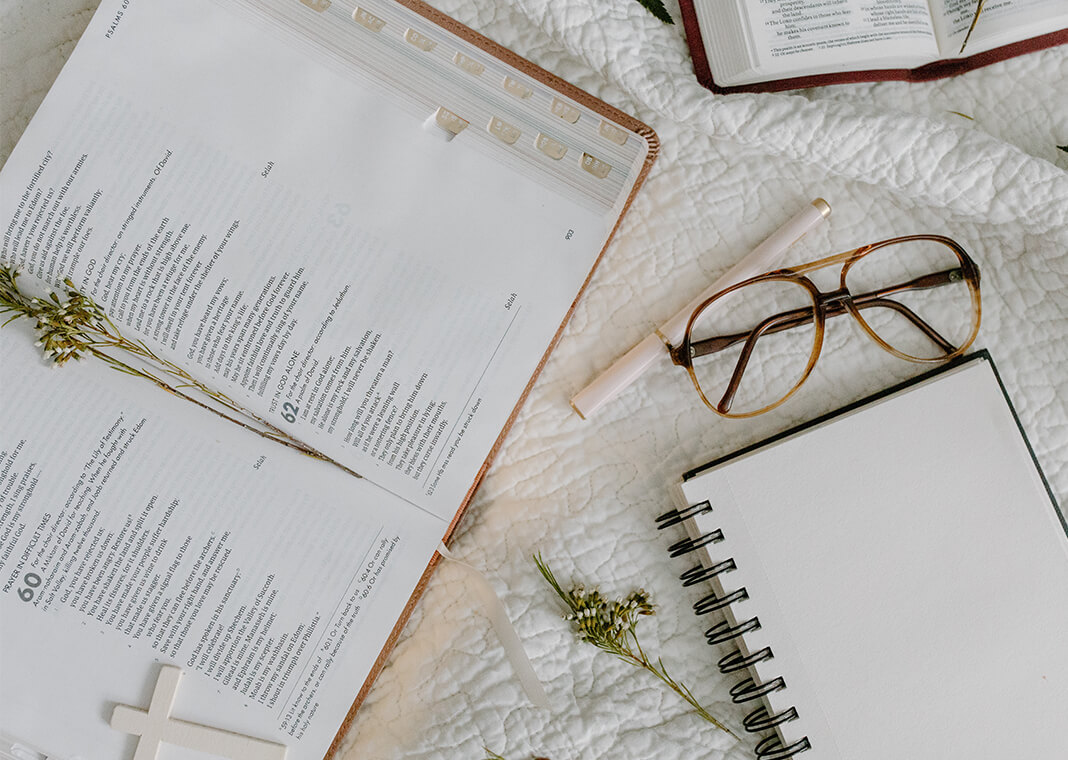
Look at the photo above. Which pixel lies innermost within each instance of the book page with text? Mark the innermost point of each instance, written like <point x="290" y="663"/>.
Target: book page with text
<point x="801" y="37"/>
<point x="1001" y="22"/>
<point x="268" y="217"/>
<point x="137" y="530"/>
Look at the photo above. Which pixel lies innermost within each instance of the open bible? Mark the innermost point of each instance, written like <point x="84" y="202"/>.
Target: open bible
<point x="785" y="44"/>
<point x="366" y="225"/>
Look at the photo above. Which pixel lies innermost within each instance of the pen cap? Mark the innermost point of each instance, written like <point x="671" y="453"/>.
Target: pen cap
<point x="617" y="377"/>
<point x="765" y="257"/>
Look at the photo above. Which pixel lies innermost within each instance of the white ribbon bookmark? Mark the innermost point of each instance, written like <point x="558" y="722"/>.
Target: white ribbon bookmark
<point x="498" y="616"/>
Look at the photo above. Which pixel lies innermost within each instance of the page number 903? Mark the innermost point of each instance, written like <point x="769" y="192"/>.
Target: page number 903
<point x="570" y="234"/>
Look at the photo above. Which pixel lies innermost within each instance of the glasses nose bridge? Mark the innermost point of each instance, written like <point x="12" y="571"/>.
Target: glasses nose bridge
<point x="834" y="299"/>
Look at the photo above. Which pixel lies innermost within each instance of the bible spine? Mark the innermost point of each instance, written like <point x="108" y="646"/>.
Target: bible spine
<point x="749" y="688"/>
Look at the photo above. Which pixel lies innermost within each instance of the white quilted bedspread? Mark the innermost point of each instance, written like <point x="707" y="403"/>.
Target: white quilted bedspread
<point x="891" y="159"/>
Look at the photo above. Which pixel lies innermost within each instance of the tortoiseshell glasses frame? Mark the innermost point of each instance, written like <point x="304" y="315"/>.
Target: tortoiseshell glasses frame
<point x="831" y="304"/>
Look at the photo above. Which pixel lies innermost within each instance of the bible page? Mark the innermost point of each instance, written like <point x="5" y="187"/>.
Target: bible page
<point x="805" y="37"/>
<point x="137" y="530"/>
<point x="1001" y="22"/>
<point x="251" y="189"/>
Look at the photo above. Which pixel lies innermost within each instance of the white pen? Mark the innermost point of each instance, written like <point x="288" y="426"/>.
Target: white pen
<point x="629" y="367"/>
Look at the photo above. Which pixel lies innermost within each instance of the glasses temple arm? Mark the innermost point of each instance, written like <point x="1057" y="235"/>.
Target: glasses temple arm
<point x="912" y="317"/>
<point x="769" y="325"/>
<point x="776" y="323"/>
<point x="799" y="317"/>
<point x="926" y="282"/>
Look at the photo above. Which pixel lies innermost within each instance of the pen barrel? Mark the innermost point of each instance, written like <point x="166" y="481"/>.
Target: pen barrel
<point x="765" y="257"/>
<point x="617" y="377"/>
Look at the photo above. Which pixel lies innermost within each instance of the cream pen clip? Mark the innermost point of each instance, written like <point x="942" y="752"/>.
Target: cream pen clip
<point x="628" y="368"/>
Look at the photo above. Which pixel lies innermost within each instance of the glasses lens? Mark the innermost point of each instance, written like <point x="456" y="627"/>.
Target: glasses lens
<point x="751" y="347"/>
<point x="914" y="297"/>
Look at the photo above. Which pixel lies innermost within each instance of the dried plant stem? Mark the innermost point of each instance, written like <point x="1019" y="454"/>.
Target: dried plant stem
<point x="271" y="433"/>
<point x="78" y="326"/>
<point x="681" y="689"/>
<point x="611" y="627"/>
<point x="975" y="20"/>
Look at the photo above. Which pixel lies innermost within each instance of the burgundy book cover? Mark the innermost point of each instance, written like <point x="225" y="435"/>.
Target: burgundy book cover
<point x="936" y="70"/>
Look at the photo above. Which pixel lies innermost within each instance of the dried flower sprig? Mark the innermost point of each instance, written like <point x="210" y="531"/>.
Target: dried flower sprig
<point x="611" y="626"/>
<point x="75" y="326"/>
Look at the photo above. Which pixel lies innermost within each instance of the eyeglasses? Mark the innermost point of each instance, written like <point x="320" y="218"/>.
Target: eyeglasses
<point x="749" y="347"/>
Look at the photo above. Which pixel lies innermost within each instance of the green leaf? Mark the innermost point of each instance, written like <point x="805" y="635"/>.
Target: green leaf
<point x="656" y="7"/>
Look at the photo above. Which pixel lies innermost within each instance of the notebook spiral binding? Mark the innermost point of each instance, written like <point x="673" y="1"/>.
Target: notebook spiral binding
<point x="748" y="689"/>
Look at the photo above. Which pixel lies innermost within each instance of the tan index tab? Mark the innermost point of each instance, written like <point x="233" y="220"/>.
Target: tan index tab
<point x="515" y="87"/>
<point x="610" y="131"/>
<point x="368" y="19"/>
<point x="550" y="147"/>
<point x="317" y="5"/>
<point x="595" y="166"/>
<point x="421" y="41"/>
<point x="504" y="131"/>
<point x="469" y="64"/>
<point x="449" y="121"/>
<point x="565" y="111"/>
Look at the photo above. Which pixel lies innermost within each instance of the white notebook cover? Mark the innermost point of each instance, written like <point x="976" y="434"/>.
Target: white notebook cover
<point x="909" y="570"/>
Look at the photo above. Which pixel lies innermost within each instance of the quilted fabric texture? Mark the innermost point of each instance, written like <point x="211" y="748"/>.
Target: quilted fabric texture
<point x="891" y="158"/>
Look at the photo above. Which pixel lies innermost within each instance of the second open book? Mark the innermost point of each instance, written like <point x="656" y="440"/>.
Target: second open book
<point x="784" y="44"/>
<point x="365" y="224"/>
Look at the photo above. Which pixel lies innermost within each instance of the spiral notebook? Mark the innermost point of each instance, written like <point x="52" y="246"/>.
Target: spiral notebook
<point x="890" y="581"/>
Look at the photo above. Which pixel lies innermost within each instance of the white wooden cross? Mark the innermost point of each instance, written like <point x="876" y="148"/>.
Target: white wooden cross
<point x="155" y="726"/>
